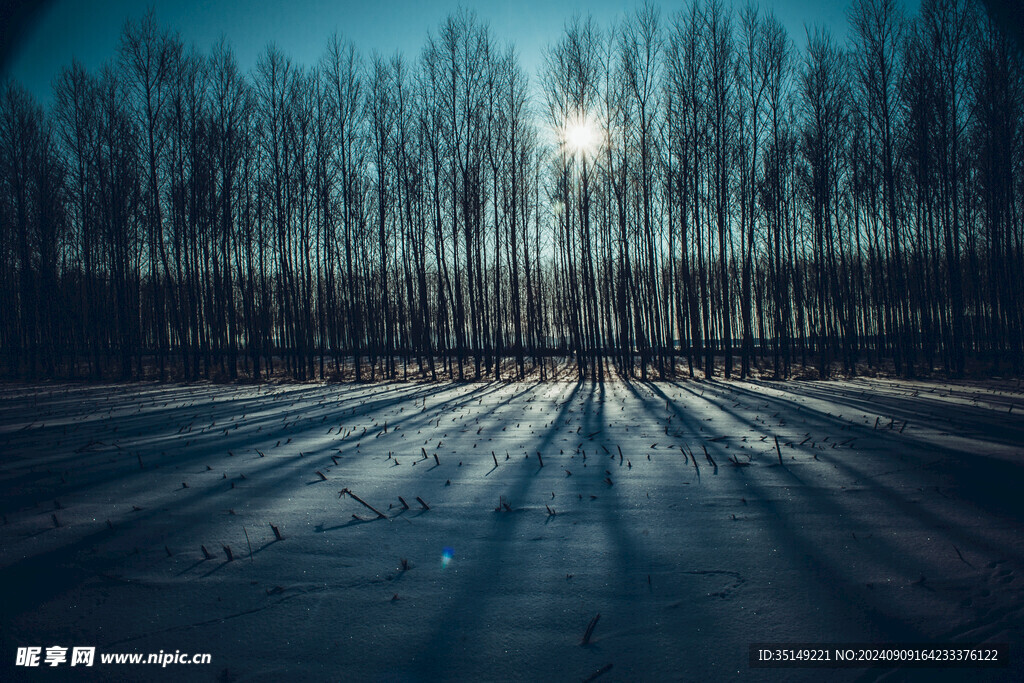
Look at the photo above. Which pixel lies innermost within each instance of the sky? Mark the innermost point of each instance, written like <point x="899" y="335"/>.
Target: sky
<point x="90" y="30"/>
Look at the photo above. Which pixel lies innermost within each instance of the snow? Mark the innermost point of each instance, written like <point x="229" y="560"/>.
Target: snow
<point x="895" y="516"/>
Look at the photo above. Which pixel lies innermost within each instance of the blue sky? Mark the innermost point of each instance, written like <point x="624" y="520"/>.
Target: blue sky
<point x="91" y="31"/>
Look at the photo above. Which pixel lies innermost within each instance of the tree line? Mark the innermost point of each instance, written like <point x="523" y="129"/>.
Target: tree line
<point x="675" y="193"/>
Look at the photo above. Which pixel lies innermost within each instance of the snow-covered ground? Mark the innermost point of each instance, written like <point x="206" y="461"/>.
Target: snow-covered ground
<point x="895" y="515"/>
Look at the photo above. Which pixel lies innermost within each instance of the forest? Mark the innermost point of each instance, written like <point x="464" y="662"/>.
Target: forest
<point x="686" y="193"/>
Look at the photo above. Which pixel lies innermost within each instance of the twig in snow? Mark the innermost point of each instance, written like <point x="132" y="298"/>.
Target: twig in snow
<point x="710" y="459"/>
<point x="960" y="555"/>
<point x="600" y="672"/>
<point x="590" y="629"/>
<point x="248" y="543"/>
<point x="425" y="506"/>
<point x="379" y="514"/>
<point x="277" y="533"/>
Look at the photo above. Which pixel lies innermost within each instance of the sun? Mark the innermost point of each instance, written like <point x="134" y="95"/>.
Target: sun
<point x="580" y="136"/>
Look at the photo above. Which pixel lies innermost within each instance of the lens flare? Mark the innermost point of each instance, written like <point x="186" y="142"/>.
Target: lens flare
<point x="446" y="557"/>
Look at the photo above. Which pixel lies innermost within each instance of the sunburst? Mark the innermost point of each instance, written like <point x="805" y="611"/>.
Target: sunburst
<point x="580" y="136"/>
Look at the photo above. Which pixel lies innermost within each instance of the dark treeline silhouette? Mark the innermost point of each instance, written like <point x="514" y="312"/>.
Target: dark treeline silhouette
<point x="675" y="192"/>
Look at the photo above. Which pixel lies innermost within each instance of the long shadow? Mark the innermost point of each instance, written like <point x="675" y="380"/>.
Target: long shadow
<point x="275" y="477"/>
<point x="991" y="484"/>
<point x="55" y="572"/>
<point x="925" y="458"/>
<point x="893" y="555"/>
<point x="111" y="466"/>
<point x="440" y="649"/>
<point x="628" y="560"/>
<point x="919" y="409"/>
<point x="846" y="599"/>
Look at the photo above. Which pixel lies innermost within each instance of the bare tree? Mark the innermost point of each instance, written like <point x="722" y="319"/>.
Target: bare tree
<point x="148" y="54"/>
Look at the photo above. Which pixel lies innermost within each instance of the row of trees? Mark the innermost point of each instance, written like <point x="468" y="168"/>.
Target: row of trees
<point x="673" y="192"/>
